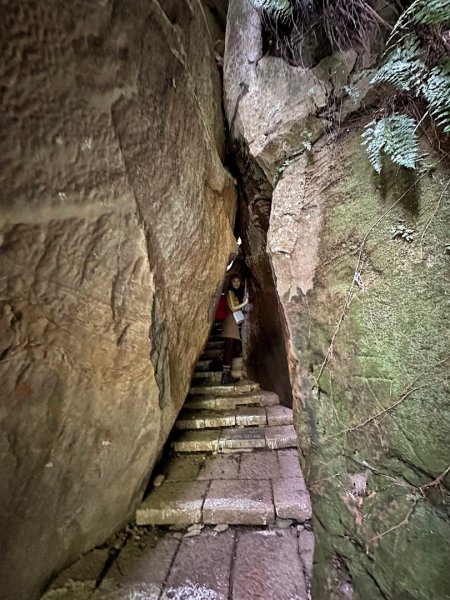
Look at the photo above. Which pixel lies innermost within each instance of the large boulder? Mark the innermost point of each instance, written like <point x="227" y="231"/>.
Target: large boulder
<point x="115" y="230"/>
<point x="363" y="314"/>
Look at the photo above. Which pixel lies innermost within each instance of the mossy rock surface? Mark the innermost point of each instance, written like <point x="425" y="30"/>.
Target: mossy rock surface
<point x="379" y="407"/>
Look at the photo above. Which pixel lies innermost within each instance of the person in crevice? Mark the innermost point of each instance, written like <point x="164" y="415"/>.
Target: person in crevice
<point x="236" y="300"/>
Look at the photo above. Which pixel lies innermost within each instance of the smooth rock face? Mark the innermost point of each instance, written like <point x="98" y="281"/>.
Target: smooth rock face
<point x="378" y="412"/>
<point x="116" y="215"/>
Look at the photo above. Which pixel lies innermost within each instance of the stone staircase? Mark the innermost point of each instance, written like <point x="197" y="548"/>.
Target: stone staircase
<point x="233" y="497"/>
<point x="235" y="460"/>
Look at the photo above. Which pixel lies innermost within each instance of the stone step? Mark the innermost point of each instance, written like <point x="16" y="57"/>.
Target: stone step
<point x="203" y="365"/>
<point x="233" y="489"/>
<point x="241" y="387"/>
<point x="259" y="398"/>
<point x="205" y="419"/>
<point x="216" y="337"/>
<point x="210" y="354"/>
<point x="213" y="376"/>
<point x="217" y="440"/>
<point x="242" y="416"/>
<point x="215" y="344"/>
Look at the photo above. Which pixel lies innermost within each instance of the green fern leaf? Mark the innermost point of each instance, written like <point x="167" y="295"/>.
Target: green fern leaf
<point x="403" y="69"/>
<point x="437" y="92"/>
<point x="394" y="136"/>
<point x="279" y="9"/>
<point x="421" y="12"/>
<point x="430" y="12"/>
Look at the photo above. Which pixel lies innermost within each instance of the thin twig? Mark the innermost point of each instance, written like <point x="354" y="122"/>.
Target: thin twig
<point x="422" y="118"/>
<point x="405" y="521"/>
<point x="436" y="481"/>
<point x="382" y="412"/>
<point x="312" y="483"/>
<point x="408" y="391"/>
<point x="377" y="17"/>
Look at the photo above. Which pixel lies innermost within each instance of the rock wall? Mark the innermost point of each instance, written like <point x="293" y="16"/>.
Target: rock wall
<point x="115" y="230"/>
<point x="364" y="313"/>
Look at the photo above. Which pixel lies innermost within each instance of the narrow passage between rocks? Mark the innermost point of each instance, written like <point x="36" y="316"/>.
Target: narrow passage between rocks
<point x="231" y="500"/>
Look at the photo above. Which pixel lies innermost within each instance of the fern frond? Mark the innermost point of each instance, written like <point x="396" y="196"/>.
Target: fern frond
<point x="278" y="9"/>
<point x="430" y="12"/>
<point x="437" y="92"/>
<point x="403" y="69"/>
<point x="421" y="12"/>
<point x="394" y="136"/>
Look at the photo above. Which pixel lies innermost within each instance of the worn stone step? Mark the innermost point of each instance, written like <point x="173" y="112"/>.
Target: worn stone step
<point x="174" y="503"/>
<point x="215" y="440"/>
<point x="213" y="376"/>
<point x="237" y="489"/>
<point x="233" y="502"/>
<point x="282" y="436"/>
<point x="198" y="440"/>
<point x="205" y="419"/>
<point x="260" y="397"/>
<point x="279" y="415"/>
<point x="216" y="337"/>
<point x="210" y="354"/>
<point x="241" y="387"/>
<point x="214" y="345"/>
<point x="242" y="416"/>
<point x="203" y="365"/>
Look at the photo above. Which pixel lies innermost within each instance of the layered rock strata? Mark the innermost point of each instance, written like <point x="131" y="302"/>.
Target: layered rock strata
<point x="116" y="227"/>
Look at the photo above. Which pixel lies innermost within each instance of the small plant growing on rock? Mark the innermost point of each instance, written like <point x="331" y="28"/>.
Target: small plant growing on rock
<point x="402" y="232"/>
<point x="417" y="68"/>
<point x="394" y="136"/>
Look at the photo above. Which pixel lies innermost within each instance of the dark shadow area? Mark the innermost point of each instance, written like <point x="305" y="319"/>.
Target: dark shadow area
<point x="394" y="182"/>
<point x="264" y="344"/>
